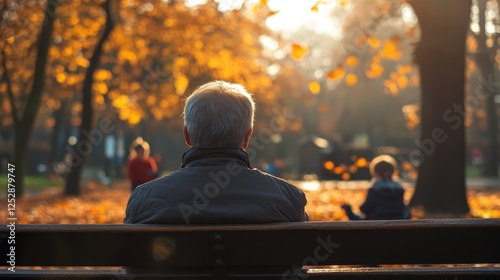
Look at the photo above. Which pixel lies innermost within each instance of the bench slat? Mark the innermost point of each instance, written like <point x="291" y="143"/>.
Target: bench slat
<point x="274" y="245"/>
<point x="437" y="273"/>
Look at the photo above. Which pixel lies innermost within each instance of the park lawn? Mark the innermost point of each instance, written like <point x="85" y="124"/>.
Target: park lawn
<point x="99" y="204"/>
<point x="35" y="183"/>
<point x="474" y="171"/>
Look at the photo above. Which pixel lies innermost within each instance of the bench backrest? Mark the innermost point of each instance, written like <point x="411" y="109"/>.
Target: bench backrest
<point x="285" y="246"/>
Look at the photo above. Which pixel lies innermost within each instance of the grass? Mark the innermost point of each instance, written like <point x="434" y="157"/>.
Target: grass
<point x="474" y="171"/>
<point x="34" y="182"/>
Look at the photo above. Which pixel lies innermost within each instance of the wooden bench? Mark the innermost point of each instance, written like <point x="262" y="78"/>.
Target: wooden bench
<point x="406" y="249"/>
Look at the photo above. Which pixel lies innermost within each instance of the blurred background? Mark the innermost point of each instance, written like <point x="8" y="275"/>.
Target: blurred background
<point x="335" y="82"/>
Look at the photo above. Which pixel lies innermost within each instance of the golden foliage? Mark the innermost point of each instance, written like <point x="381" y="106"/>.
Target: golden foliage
<point x="471" y="44"/>
<point x="411" y="113"/>
<point x="181" y="84"/>
<point x="405" y="69"/>
<point x="99" y="204"/>
<point x="329" y="165"/>
<point x="343" y="3"/>
<point x="165" y="49"/>
<point x="298" y="51"/>
<point x="374" y="42"/>
<point x="351" y="79"/>
<point x="351" y="61"/>
<point x="375" y="70"/>
<point x="314" y="87"/>
<point x="361" y="162"/>
<point x="391" y="49"/>
<point x="391" y="87"/>
<point x="336" y="73"/>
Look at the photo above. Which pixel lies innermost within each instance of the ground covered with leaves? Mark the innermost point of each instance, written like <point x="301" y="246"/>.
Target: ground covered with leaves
<point x="99" y="204"/>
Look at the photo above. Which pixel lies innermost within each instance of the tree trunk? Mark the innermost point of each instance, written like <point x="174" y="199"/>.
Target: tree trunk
<point x="84" y="144"/>
<point x="440" y="55"/>
<point x="486" y="63"/>
<point x="24" y="126"/>
<point x="59" y="137"/>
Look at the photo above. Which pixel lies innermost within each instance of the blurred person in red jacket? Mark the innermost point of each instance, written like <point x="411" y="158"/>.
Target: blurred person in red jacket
<point x="141" y="167"/>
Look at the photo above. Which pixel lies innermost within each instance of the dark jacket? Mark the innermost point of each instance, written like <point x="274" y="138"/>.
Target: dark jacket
<point x="216" y="185"/>
<point x="384" y="201"/>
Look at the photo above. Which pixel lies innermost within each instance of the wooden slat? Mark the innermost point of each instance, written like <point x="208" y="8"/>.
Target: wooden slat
<point x="272" y="245"/>
<point x="437" y="273"/>
<point x="259" y="251"/>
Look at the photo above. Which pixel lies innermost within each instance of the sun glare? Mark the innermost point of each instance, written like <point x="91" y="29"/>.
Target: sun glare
<point x="293" y="14"/>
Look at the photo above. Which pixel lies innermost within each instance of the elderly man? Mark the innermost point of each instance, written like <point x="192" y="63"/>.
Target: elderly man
<point x="216" y="183"/>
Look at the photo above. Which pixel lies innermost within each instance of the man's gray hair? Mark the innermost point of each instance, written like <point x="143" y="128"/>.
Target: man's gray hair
<point x="219" y="114"/>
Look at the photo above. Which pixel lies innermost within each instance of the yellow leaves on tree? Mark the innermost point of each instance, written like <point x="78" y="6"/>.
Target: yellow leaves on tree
<point x="329" y="165"/>
<point x="399" y="80"/>
<point x="391" y="49"/>
<point x="314" y="88"/>
<point x="391" y="87"/>
<point x="127" y="55"/>
<point x="471" y="44"/>
<point x="343" y="3"/>
<point x="100" y="87"/>
<point x="373" y="42"/>
<point x="318" y="3"/>
<point x="351" y="61"/>
<point x="163" y="51"/>
<point x="351" y="79"/>
<point x="336" y="73"/>
<point x="361" y="162"/>
<point x="375" y="70"/>
<point x="405" y="69"/>
<point x="102" y="75"/>
<point x="181" y="84"/>
<point x="411" y="113"/>
<point x="339" y="72"/>
<point x="180" y="80"/>
<point x="298" y="51"/>
<point x="121" y="101"/>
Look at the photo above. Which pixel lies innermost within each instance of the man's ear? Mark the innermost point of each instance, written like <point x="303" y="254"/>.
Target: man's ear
<point x="247" y="138"/>
<point x="187" y="138"/>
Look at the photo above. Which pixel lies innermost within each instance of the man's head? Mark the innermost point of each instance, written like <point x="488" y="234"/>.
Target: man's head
<point x="219" y="114"/>
<point x="383" y="167"/>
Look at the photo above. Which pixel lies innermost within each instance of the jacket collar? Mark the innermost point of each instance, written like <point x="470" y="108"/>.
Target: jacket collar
<point x="211" y="156"/>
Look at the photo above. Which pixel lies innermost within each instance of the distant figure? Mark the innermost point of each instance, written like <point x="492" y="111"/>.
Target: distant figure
<point x="272" y="168"/>
<point x="141" y="167"/>
<point x="216" y="183"/>
<point x="385" y="198"/>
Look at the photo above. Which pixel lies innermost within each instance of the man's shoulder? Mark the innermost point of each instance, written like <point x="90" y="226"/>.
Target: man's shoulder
<point x="275" y="179"/>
